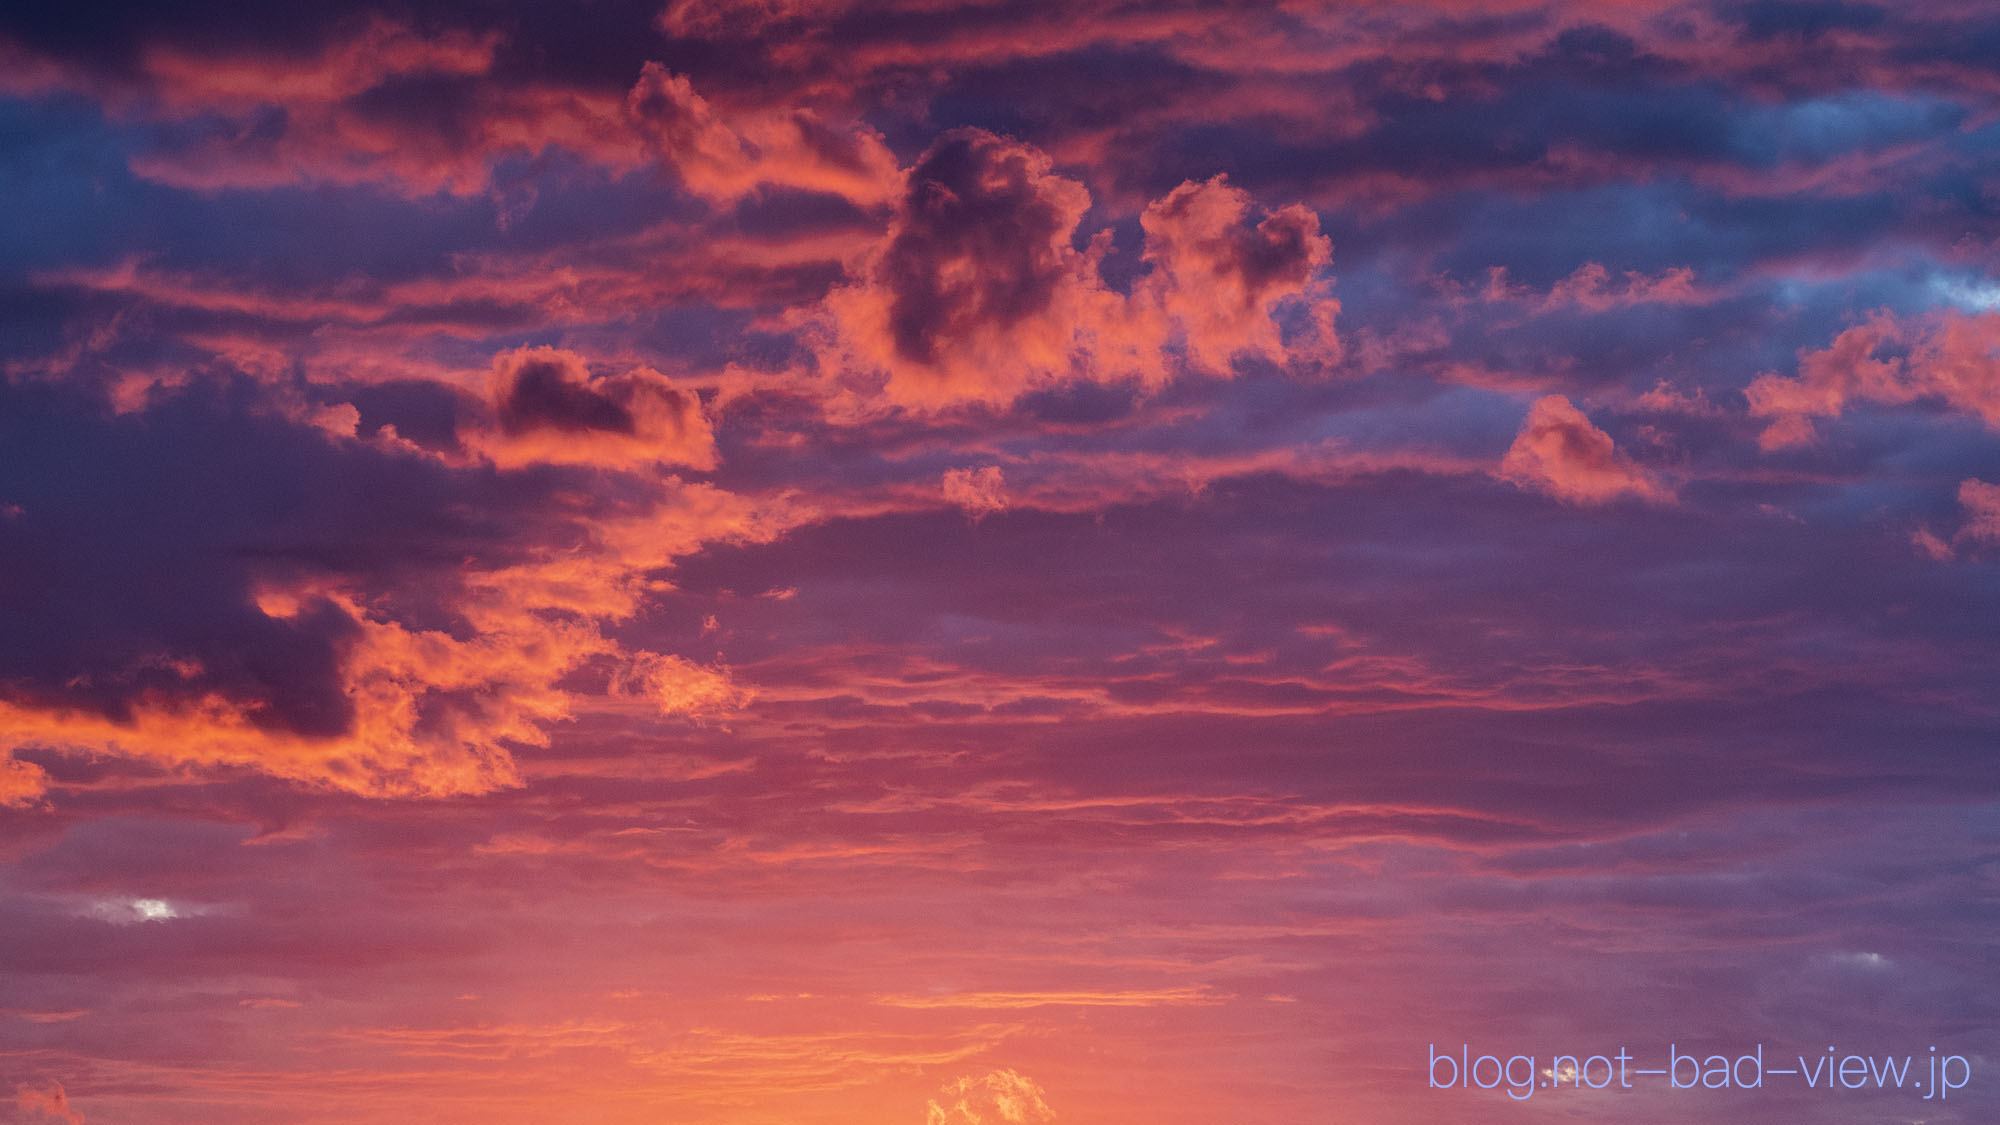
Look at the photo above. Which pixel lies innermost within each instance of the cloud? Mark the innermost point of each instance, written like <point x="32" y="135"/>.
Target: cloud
<point x="50" y="1101"/>
<point x="979" y="293"/>
<point x="1950" y="356"/>
<point x="385" y="105"/>
<point x="724" y="159"/>
<point x="316" y="606"/>
<point x="382" y="103"/>
<point x="550" y="408"/>
<point x="1981" y="503"/>
<point x="1560" y="452"/>
<point x="1982" y="511"/>
<point x="21" y="783"/>
<point x="1220" y="277"/>
<point x="1136" y="998"/>
<point x="1592" y="289"/>
<point x="978" y="491"/>
<point x="1000" y="1097"/>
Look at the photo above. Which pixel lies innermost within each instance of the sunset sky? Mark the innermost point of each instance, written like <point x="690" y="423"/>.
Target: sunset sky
<point x="913" y="562"/>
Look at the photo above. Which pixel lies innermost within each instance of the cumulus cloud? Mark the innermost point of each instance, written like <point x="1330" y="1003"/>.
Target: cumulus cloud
<point x="551" y="408"/>
<point x="1220" y="277"/>
<point x="979" y="293"/>
<point x="1560" y="452"/>
<point x="1952" y="357"/>
<point x="978" y="491"/>
<point x="1001" y="1097"/>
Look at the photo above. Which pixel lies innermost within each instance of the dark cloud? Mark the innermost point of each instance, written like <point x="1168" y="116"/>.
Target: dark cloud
<point x="981" y="242"/>
<point x="140" y="541"/>
<point x="539" y="391"/>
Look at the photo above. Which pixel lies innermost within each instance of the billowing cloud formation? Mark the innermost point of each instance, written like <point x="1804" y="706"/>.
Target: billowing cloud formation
<point x="980" y="294"/>
<point x="1951" y="357"/>
<point x="551" y="408"/>
<point x="979" y="491"/>
<point x="1560" y="452"/>
<point x="1220" y="277"/>
<point x="1001" y="1097"/>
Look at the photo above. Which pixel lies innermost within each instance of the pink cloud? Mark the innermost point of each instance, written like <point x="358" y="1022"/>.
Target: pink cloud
<point x="1982" y="511"/>
<point x="1560" y="452"/>
<point x="978" y="491"/>
<point x="723" y="158"/>
<point x="1219" y="278"/>
<point x="1592" y="288"/>
<point x="50" y="1101"/>
<point x="1951" y="357"/>
<point x="551" y="408"/>
<point x="1981" y="504"/>
<point x="980" y="295"/>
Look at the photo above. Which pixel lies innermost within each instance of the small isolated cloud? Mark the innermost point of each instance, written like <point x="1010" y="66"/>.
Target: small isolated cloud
<point x="1981" y="502"/>
<point x="1002" y="1097"/>
<point x="1982" y="511"/>
<point x="125" y="911"/>
<point x="550" y="408"/>
<point x="1560" y="452"/>
<point x="50" y="1101"/>
<point x="979" y="491"/>
<point x="1952" y="357"/>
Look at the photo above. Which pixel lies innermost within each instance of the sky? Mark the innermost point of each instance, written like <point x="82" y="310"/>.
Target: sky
<point x="922" y="562"/>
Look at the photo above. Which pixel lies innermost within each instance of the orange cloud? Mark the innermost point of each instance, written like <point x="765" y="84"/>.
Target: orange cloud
<point x="1949" y="356"/>
<point x="422" y="113"/>
<point x="723" y="159"/>
<point x="388" y="105"/>
<point x="430" y="711"/>
<point x="979" y="293"/>
<point x="552" y="409"/>
<point x="48" y="1101"/>
<point x="1219" y="279"/>
<point x="1000" y="1097"/>
<point x="1560" y="452"/>
<point x="21" y="783"/>
<point x="978" y="491"/>
<point x="1139" y="998"/>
